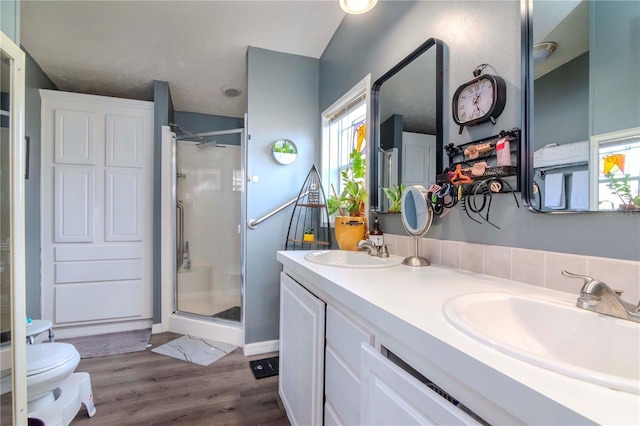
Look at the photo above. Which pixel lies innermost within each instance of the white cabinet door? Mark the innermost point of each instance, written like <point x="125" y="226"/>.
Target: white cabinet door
<point x="418" y="159"/>
<point x="302" y="319"/>
<point x="391" y="396"/>
<point x="96" y="201"/>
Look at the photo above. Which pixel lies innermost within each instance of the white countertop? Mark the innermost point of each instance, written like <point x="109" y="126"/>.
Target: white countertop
<point x="409" y="300"/>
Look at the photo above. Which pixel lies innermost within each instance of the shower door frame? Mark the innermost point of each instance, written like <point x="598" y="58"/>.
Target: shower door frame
<point x="243" y="205"/>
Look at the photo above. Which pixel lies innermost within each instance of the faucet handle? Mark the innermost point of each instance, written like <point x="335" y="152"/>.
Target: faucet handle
<point x="586" y="278"/>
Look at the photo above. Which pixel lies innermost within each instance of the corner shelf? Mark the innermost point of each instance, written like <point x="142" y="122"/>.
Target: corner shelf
<point x="309" y="212"/>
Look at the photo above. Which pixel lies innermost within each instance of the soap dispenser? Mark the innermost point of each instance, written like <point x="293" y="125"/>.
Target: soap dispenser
<point x="375" y="235"/>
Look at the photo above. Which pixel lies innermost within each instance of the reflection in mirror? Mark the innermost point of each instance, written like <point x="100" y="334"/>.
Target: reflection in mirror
<point x="583" y="125"/>
<point x="407" y="116"/>
<point x="284" y="151"/>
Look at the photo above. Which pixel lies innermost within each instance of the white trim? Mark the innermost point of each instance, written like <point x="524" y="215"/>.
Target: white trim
<point x="18" y="244"/>
<point x="94" y="99"/>
<point x="594" y="150"/>
<point x="264" y="347"/>
<point x="231" y="334"/>
<point x="156" y="328"/>
<point x="167" y="224"/>
<point x="95" y="329"/>
<point x="362" y="87"/>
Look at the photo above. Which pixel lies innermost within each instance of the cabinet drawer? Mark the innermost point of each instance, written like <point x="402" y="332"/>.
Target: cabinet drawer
<point x="341" y="389"/>
<point x="390" y="395"/>
<point x="345" y="338"/>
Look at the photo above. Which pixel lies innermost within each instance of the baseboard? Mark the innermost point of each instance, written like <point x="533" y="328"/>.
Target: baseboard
<point x="156" y="328"/>
<point x="261" y="347"/>
<point x="94" y="329"/>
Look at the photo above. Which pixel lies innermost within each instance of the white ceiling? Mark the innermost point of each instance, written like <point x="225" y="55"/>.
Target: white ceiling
<point x="117" y="48"/>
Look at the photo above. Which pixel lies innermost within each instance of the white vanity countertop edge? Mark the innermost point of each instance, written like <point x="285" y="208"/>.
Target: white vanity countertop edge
<point x="416" y="296"/>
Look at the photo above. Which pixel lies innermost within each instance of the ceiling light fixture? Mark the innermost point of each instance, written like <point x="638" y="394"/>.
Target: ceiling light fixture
<point x="356" y="7"/>
<point x="542" y="51"/>
<point x="231" y="92"/>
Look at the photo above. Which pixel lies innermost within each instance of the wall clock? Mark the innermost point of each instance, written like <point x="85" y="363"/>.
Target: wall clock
<point x="479" y="100"/>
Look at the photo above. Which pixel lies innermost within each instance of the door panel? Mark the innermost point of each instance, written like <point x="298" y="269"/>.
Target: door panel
<point x="74" y="195"/>
<point x="123" y="205"/>
<point x="105" y="270"/>
<point x="124" y="146"/>
<point x="75" y="137"/>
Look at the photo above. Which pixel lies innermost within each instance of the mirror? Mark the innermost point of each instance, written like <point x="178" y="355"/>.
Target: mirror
<point x="284" y="151"/>
<point x="407" y="124"/>
<point x="417" y="216"/>
<point x="582" y="110"/>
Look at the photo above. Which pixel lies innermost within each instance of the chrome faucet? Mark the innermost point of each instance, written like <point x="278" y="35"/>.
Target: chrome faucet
<point x="372" y="249"/>
<point x="598" y="297"/>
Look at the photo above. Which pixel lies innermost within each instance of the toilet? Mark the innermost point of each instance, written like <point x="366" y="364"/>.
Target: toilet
<point x="54" y="392"/>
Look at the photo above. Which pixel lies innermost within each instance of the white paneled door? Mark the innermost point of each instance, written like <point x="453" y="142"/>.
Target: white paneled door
<point x="96" y="202"/>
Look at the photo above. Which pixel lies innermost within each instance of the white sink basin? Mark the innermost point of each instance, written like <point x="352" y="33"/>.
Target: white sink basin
<point x="352" y="259"/>
<point x="554" y="335"/>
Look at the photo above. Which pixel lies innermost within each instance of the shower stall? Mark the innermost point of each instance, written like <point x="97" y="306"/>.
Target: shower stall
<point x="208" y="203"/>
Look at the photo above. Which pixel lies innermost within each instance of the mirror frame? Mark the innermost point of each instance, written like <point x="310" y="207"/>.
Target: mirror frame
<point x="375" y="188"/>
<point x="527" y="108"/>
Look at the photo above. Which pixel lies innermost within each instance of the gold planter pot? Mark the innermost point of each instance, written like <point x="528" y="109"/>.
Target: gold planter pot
<point x="349" y="231"/>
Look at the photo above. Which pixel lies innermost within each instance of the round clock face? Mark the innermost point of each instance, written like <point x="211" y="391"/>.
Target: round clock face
<point x="479" y="100"/>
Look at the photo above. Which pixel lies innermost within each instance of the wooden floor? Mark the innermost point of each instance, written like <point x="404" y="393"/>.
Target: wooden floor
<point x="144" y="388"/>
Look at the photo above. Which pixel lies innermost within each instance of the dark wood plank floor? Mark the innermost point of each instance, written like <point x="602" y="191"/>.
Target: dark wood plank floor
<point x="144" y="388"/>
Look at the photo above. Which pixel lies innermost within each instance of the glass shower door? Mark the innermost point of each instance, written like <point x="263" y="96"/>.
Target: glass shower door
<point x="208" y="193"/>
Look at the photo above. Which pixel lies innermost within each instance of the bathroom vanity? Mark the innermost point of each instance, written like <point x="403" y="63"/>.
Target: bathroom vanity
<point x="373" y="346"/>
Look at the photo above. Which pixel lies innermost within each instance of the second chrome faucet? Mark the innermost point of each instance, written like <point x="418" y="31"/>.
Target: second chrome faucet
<point x="598" y="297"/>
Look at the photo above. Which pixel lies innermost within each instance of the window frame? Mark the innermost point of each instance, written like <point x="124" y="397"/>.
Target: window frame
<point x="361" y="89"/>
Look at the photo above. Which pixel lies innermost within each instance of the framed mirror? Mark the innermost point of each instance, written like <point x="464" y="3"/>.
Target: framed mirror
<point x="407" y="124"/>
<point x="284" y="151"/>
<point x="581" y="62"/>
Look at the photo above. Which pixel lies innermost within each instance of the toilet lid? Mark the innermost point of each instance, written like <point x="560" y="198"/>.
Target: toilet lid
<point x="46" y="356"/>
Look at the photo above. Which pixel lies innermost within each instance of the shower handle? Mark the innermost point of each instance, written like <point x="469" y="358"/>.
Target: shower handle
<point x="180" y="236"/>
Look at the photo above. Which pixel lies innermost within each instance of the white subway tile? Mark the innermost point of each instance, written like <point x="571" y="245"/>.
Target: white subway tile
<point x="431" y="250"/>
<point x="450" y="252"/>
<point x="472" y="257"/>
<point x="556" y="263"/>
<point x="528" y="266"/>
<point x="618" y="274"/>
<point x="497" y="261"/>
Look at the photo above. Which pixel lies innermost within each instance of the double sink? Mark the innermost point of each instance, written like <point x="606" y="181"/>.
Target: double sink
<point x="546" y="332"/>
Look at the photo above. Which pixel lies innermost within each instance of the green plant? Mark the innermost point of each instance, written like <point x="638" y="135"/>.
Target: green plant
<point x="354" y="195"/>
<point x="621" y="186"/>
<point x="285" y="147"/>
<point x="394" y="194"/>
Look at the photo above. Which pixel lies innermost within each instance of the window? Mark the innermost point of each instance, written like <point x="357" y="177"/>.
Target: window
<point x="340" y="125"/>
<point x="619" y="177"/>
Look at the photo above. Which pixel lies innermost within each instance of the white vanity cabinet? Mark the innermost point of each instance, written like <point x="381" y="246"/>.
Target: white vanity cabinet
<point x="334" y="356"/>
<point x="344" y="337"/>
<point x="390" y="395"/>
<point x="302" y="320"/>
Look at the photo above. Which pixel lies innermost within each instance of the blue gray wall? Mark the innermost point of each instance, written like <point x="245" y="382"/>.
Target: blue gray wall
<point x="35" y="79"/>
<point x="10" y="19"/>
<point x="198" y="123"/>
<point x="162" y="116"/>
<point x="561" y="107"/>
<point x="282" y="103"/>
<point x="474" y="32"/>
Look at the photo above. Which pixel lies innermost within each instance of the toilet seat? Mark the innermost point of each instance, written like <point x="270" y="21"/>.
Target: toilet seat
<point x="48" y="356"/>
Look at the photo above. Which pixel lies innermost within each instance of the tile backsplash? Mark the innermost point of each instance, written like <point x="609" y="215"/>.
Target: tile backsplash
<point x="536" y="267"/>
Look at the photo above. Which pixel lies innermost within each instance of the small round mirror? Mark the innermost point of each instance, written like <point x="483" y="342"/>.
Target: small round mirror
<point x="417" y="216"/>
<point x="284" y="151"/>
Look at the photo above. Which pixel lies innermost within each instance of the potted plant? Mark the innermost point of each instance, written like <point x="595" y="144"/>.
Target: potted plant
<point x="394" y="194"/>
<point x="621" y="187"/>
<point x="351" y="224"/>
<point x="309" y="236"/>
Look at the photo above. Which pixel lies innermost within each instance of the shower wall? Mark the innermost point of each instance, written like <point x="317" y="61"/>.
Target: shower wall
<point x="210" y="195"/>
